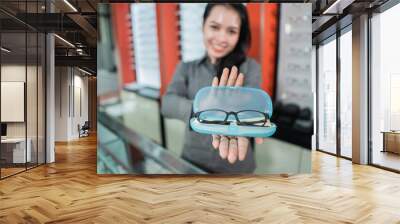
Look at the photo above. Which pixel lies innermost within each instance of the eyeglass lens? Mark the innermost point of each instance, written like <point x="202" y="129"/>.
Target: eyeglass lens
<point x="242" y="117"/>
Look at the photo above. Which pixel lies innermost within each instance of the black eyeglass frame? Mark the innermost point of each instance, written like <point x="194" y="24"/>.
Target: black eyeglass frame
<point x="226" y="122"/>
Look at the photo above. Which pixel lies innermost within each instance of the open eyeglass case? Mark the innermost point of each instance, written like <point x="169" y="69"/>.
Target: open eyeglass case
<point x="232" y="111"/>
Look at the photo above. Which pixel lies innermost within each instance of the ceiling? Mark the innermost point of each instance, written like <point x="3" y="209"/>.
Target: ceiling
<point x="77" y="25"/>
<point x="331" y="15"/>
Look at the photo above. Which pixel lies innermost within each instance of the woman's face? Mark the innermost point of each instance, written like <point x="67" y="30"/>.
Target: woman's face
<point x="221" y="32"/>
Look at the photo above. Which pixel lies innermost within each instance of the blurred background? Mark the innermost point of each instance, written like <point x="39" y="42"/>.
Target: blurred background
<point x="139" y="46"/>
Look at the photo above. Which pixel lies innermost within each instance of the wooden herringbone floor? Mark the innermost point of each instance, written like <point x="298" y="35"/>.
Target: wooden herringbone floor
<point x="70" y="191"/>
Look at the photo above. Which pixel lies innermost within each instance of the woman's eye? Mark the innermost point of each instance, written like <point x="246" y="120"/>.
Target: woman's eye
<point x="232" y="31"/>
<point x="214" y="27"/>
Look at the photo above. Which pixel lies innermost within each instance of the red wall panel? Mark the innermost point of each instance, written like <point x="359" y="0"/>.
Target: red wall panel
<point x="254" y="12"/>
<point x="263" y="19"/>
<point x="168" y="41"/>
<point x="123" y="38"/>
<point x="269" y="47"/>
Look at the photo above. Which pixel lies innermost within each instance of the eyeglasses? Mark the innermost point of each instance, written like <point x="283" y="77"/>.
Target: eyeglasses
<point x="244" y="117"/>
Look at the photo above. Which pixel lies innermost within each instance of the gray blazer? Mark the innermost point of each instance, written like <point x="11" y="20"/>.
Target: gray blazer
<point x="189" y="78"/>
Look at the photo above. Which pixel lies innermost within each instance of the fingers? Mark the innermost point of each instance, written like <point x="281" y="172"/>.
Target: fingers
<point x="232" y="76"/>
<point x="233" y="150"/>
<point x="223" y="147"/>
<point x="230" y="148"/>
<point x="224" y="77"/>
<point x="229" y="78"/>
<point x="215" y="141"/>
<point x="243" y="144"/>
<point x="215" y="81"/>
<point x="259" y="140"/>
<point x="240" y="80"/>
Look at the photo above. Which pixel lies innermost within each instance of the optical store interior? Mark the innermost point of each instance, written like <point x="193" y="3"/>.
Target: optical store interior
<point x="130" y="98"/>
<point x="313" y="99"/>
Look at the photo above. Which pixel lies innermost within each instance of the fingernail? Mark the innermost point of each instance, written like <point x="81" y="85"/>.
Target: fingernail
<point x="215" y="145"/>
<point x="222" y="156"/>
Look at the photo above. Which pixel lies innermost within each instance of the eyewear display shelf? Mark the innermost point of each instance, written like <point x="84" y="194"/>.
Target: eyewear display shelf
<point x="154" y="158"/>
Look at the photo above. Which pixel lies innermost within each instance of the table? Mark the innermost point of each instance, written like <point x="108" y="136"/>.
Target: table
<point x="391" y="141"/>
<point x="15" y="148"/>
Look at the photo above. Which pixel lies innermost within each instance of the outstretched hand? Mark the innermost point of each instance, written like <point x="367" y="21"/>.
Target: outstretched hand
<point x="231" y="147"/>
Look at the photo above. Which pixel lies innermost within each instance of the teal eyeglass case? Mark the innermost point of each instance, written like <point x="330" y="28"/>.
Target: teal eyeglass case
<point x="234" y="103"/>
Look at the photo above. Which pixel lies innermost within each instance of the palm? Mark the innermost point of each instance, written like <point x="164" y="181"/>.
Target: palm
<point x="231" y="148"/>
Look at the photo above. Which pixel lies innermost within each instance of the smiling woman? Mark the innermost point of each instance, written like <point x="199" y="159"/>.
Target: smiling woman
<point x="226" y="34"/>
<point x="226" y="37"/>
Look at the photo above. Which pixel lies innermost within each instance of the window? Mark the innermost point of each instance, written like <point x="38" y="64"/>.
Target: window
<point x="385" y="88"/>
<point x="327" y="96"/>
<point x="346" y="94"/>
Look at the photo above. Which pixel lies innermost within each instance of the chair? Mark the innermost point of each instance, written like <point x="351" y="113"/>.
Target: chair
<point x="84" y="130"/>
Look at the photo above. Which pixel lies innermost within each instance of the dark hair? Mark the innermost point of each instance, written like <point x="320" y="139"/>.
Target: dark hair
<point x="238" y="55"/>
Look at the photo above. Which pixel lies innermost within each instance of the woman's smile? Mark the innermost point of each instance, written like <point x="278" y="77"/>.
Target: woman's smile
<point x="218" y="48"/>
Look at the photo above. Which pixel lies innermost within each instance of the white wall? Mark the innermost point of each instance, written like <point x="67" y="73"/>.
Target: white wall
<point x="12" y="73"/>
<point x="71" y="88"/>
<point x="33" y="126"/>
<point x="61" y="103"/>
